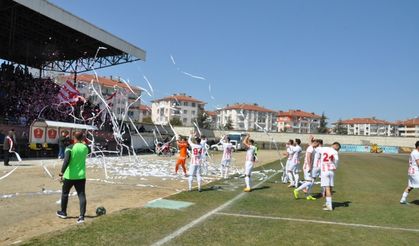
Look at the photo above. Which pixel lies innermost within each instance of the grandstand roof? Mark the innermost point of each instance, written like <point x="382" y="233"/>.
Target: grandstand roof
<point x="39" y="34"/>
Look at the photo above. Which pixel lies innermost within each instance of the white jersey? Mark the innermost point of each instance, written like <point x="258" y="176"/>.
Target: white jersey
<point x="227" y="149"/>
<point x="250" y="154"/>
<point x="196" y="153"/>
<point x="317" y="158"/>
<point x="309" y="153"/>
<point x="296" y="155"/>
<point x="329" y="159"/>
<point x="204" y="148"/>
<point x="290" y="151"/>
<point x="413" y="166"/>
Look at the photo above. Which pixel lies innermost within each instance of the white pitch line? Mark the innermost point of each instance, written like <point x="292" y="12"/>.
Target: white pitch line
<point x="186" y="227"/>
<point x="318" y="222"/>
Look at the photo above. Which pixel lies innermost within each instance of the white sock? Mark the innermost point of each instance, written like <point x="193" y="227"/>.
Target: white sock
<point x="404" y="196"/>
<point x="247" y="180"/>
<point x="290" y="177"/>
<point x="297" y="178"/>
<point x="199" y="178"/>
<point x="226" y="172"/>
<point x="310" y="186"/>
<point x="190" y="178"/>
<point x="329" y="201"/>
<point x="221" y="171"/>
<point x="304" y="185"/>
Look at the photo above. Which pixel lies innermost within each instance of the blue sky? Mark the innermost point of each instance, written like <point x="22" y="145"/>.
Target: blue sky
<point x="345" y="58"/>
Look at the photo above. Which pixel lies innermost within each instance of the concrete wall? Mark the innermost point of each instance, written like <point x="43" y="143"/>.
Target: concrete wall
<point x="327" y="138"/>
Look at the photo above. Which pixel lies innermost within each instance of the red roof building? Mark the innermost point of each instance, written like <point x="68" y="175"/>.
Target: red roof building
<point x="246" y="117"/>
<point x="408" y="128"/>
<point x="367" y="127"/>
<point x="181" y="106"/>
<point x="298" y="121"/>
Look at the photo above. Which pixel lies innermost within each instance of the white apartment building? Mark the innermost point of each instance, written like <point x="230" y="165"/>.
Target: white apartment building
<point x="181" y="106"/>
<point x="369" y="127"/>
<point x="115" y="92"/>
<point x="145" y="112"/>
<point x="246" y="117"/>
<point x="298" y="121"/>
<point x="409" y="128"/>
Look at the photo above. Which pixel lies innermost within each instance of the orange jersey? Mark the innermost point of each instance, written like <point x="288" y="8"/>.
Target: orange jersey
<point x="183" y="146"/>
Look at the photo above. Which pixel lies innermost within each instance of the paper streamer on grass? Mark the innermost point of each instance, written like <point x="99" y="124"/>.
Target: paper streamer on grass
<point x="17" y="155"/>
<point x="46" y="170"/>
<point x="7" y="174"/>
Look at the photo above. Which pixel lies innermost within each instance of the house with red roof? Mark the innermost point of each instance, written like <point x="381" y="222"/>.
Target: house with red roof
<point x="114" y="91"/>
<point x="408" y="128"/>
<point x="246" y="117"/>
<point x="145" y="112"/>
<point x="298" y="121"/>
<point x="181" y="106"/>
<point x="368" y="127"/>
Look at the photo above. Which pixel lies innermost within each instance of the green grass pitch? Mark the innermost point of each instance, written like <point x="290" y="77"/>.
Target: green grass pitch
<point x="368" y="189"/>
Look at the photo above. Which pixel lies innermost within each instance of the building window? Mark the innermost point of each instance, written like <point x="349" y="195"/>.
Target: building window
<point x="193" y="112"/>
<point x="185" y="120"/>
<point x="185" y="104"/>
<point x="193" y="104"/>
<point x="185" y="111"/>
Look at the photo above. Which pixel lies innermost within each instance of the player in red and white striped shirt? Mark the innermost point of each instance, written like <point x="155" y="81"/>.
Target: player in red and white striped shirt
<point x="195" y="164"/>
<point x="226" y="160"/>
<point x="329" y="163"/>
<point x="413" y="172"/>
<point x="307" y="168"/>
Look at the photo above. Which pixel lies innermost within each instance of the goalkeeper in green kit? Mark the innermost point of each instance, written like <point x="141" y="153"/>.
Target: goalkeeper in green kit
<point x="73" y="173"/>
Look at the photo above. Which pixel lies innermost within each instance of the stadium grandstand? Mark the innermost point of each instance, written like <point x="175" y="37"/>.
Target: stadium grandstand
<point x="38" y="35"/>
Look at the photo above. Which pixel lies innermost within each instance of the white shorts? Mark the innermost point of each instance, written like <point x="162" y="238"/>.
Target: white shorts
<point x="248" y="166"/>
<point x="414" y="180"/>
<point x="195" y="170"/>
<point x="225" y="163"/>
<point x="315" y="173"/>
<point x="287" y="165"/>
<point x="293" y="167"/>
<point x="327" y="178"/>
<point x="307" y="175"/>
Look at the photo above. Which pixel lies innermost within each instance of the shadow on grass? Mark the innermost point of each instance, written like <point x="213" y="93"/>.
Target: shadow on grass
<point x="261" y="188"/>
<point x="416" y="202"/>
<point x="86" y="216"/>
<point x="341" y="204"/>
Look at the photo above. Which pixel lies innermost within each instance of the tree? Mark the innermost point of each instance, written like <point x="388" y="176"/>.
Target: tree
<point x="229" y="124"/>
<point x="323" y="124"/>
<point x="147" y="120"/>
<point x="340" y="128"/>
<point x="204" y="121"/>
<point x="175" y="121"/>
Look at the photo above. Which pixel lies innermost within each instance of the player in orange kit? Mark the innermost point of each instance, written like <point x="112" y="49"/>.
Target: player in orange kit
<point x="183" y="154"/>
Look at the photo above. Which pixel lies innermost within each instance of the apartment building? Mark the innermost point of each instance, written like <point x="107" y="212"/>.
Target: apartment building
<point x="181" y="106"/>
<point x="115" y="92"/>
<point x="246" y="117"/>
<point x="368" y="127"/>
<point x="298" y="121"/>
<point x="408" y="128"/>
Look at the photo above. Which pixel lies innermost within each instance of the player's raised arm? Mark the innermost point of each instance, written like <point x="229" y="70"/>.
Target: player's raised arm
<point x="246" y="141"/>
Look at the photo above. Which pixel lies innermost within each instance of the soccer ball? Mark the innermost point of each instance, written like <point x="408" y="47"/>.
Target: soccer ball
<point x="100" y="211"/>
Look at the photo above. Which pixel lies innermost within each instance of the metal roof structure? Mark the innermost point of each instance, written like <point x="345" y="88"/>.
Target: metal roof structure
<point x="59" y="124"/>
<point x="41" y="35"/>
